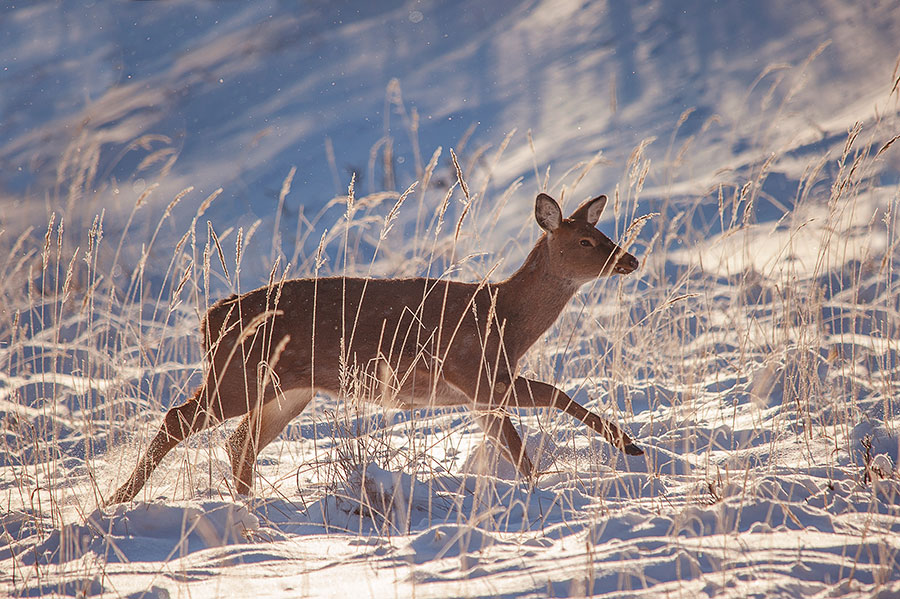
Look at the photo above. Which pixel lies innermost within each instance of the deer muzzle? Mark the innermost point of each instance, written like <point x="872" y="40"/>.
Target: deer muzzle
<point x="626" y="264"/>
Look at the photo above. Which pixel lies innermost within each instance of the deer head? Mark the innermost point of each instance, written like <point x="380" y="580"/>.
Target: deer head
<point x="577" y="250"/>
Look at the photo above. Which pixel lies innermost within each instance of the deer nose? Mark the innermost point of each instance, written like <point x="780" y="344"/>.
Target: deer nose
<point x="626" y="264"/>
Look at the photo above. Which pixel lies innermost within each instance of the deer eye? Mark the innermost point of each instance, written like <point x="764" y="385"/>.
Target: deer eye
<point x="586" y="243"/>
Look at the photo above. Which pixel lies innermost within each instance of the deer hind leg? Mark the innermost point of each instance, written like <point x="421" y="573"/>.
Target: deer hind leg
<point x="258" y="428"/>
<point x="217" y="400"/>
<point x="535" y="394"/>
<point x="499" y="428"/>
<point x="179" y="423"/>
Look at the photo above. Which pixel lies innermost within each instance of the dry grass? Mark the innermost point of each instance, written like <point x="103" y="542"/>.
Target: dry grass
<point x="743" y="359"/>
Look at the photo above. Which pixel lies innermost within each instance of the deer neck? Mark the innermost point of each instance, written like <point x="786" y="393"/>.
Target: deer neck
<point x="532" y="298"/>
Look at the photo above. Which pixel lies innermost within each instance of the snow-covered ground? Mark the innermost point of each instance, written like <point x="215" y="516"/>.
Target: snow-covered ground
<point x="755" y="355"/>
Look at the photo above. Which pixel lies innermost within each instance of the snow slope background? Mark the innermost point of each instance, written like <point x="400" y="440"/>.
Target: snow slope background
<point x="156" y="157"/>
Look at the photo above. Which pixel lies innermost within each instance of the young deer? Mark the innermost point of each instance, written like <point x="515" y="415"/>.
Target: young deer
<point x="417" y="342"/>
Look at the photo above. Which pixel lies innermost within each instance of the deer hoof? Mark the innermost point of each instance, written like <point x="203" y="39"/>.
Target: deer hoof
<point x="632" y="449"/>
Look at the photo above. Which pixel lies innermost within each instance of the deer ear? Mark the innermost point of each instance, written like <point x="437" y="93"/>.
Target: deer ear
<point x="591" y="210"/>
<point x="547" y="212"/>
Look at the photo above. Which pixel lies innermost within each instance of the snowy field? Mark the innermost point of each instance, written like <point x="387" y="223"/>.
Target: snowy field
<point x="156" y="157"/>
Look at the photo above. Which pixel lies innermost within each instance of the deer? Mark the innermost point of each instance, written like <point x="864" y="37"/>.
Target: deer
<point x="420" y="342"/>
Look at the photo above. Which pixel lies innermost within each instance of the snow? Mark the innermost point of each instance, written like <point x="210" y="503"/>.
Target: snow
<point x="754" y="355"/>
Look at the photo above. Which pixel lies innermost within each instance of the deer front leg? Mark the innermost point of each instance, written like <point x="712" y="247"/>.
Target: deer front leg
<point x="489" y="413"/>
<point x="535" y="394"/>
<point x="499" y="428"/>
<point x="489" y="401"/>
<point x="258" y="428"/>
